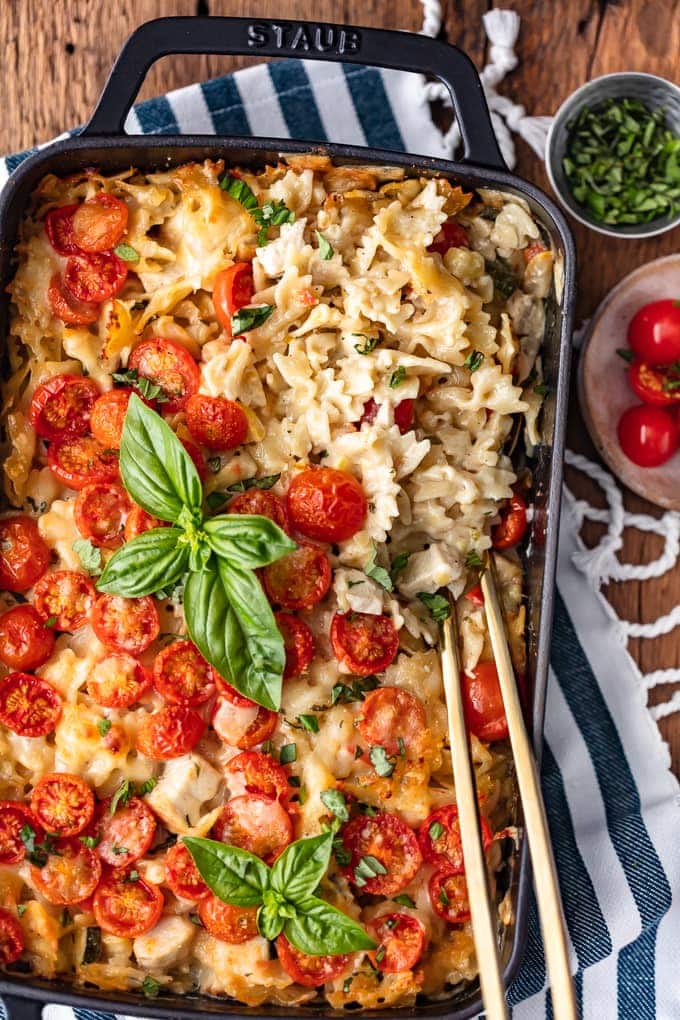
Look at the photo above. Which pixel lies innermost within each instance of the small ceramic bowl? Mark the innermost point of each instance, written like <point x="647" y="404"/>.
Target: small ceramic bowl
<point x="654" y="93"/>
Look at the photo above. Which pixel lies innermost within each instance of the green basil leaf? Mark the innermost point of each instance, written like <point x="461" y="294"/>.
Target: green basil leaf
<point x="437" y="605"/>
<point x="335" y="801"/>
<point x="301" y="866"/>
<point x="126" y="252"/>
<point x="234" y="875"/>
<point x="150" y="562"/>
<point x="319" y="929"/>
<point x="89" y="555"/>
<point x="378" y="573"/>
<point x="269" y="921"/>
<point x="250" y="318"/>
<point x="247" y="540"/>
<point x="156" y="469"/>
<point x="325" y="246"/>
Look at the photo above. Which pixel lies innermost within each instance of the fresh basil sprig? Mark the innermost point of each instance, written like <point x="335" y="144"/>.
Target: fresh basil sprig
<point x="284" y="893"/>
<point x="227" y="614"/>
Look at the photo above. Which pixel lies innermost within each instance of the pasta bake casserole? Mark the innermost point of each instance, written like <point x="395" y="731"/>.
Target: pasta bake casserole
<point x="255" y="427"/>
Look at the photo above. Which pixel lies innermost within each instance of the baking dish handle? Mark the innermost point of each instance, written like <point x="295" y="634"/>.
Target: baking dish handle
<point x="18" y="1008"/>
<point x="404" y="51"/>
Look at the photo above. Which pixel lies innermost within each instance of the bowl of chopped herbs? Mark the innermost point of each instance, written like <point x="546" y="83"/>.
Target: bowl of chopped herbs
<point x="613" y="154"/>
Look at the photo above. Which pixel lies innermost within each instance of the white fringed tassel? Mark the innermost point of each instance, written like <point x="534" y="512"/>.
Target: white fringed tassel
<point x="432" y="18"/>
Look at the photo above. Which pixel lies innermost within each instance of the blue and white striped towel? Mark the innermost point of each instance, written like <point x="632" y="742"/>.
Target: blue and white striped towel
<point x="612" y="803"/>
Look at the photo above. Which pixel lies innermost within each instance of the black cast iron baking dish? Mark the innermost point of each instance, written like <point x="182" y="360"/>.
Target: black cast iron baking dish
<point x="103" y="144"/>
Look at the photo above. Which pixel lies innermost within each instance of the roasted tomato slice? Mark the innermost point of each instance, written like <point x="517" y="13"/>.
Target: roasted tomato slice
<point x="25" y="641"/>
<point x="100" y="513"/>
<point x="182" y="875"/>
<point x="655" y="386"/>
<point x="299" y="579"/>
<point x="29" y="705"/>
<point x="70" y="874"/>
<point x="108" y="417"/>
<point x="182" y="676"/>
<point x="62" y="406"/>
<point x="310" y="971"/>
<point x="363" y="643"/>
<point x="78" y="461"/>
<point x="138" y="521"/>
<point x="66" y="308"/>
<point x="401" y="942"/>
<point x="260" y="825"/>
<point x="24" y="556"/>
<point x="65" y="598"/>
<point x="439" y="838"/>
<point x="99" y="223"/>
<point x="255" y="773"/>
<point x="451" y="235"/>
<point x="394" y="719"/>
<point x="171" y="367"/>
<point x="62" y="803"/>
<point x="394" y="846"/>
<point x="14" y="816"/>
<point x="242" y="723"/>
<point x="127" y="834"/>
<point x="233" y="288"/>
<point x="94" y="278"/>
<point x="12" y="940"/>
<point x="118" y="681"/>
<point x="475" y="596"/>
<point x="513" y="524"/>
<point x="262" y="503"/>
<point x="298" y="641"/>
<point x="170" y="732"/>
<point x="59" y="227"/>
<point x="449" y="898"/>
<point x="483" y="703"/>
<point x="126" y="905"/>
<point x="125" y="625"/>
<point x="327" y="504"/>
<point x="227" y="923"/>
<point x="216" y="422"/>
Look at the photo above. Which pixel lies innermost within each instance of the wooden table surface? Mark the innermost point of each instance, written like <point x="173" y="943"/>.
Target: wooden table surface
<point x="57" y="57"/>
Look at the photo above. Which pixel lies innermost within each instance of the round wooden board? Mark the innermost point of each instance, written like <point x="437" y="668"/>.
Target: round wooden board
<point x="603" y="387"/>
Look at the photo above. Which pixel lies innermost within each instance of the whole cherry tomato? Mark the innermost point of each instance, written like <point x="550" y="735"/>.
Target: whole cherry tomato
<point x="654" y="332"/>
<point x="232" y="290"/>
<point x="299" y="579"/>
<point x="654" y="386"/>
<point x="648" y="435"/>
<point x="483" y="703"/>
<point x="25" y="641"/>
<point x="513" y="524"/>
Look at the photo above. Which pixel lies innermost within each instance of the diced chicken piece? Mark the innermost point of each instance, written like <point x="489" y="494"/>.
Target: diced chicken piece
<point x="182" y="791"/>
<point x="166" y="945"/>
<point x="428" y="570"/>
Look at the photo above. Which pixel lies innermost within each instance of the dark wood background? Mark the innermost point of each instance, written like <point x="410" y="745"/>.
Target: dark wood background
<point x="56" y="57"/>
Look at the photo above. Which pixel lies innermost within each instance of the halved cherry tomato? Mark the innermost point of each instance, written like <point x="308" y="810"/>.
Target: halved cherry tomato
<point x="100" y="512"/>
<point x="258" y="824"/>
<point x="227" y="923"/>
<point x="370" y="411"/>
<point x="126" y="906"/>
<point x="310" y="971"/>
<point x="654" y="332"/>
<point x="78" y="461"/>
<point x="99" y="223"/>
<point x="394" y="719"/>
<point x="24" y="556"/>
<point x="197" y="457"/>
<point x="298" y="641"/>
<point x="648" y="435"/>
<point x="127" y="834"/>
<point x="327" y="504"/>
<point x="182" y="676"/>
<point x="364" y="643"/>
<point x="263" y="503"/>
<point x="449" y="898"/>
<point x="392" y="842"/>
<point x="451" y="235"/>
<point x="138" y="521"/>
<point x="108" y="417"/>
<point x="62" y="406"/>
<point x="125" y="625"/>
<point x="182" y="875"/>
<point x="404" y="415"/>
<point x="439" y="838"/>
<point x="70" y="874"/>
<point x="532" y="250"/>
<point x="255" y="773"/>
<point x="67" y="308"/>
<point x="483" y="703"/>
<point x="233" y="288"/>
<point x="14" y="816"/>
<point x="475" y="596"/>
<point x="118" y="681"/>
<point x="25" y="641"/>
<point x="170" y="732"/>
<point x="29" y="705"/>
<point x="240" y="722"/>
<point x="655" y="386"/>
<point x="513" y="524"/>
<point x="62" y="803"/>
<point x="95" y="278"/>
<point x="401" y="942"/>
<point x="12" y="940"/>
<point x="216" y="422"/>
<point x="299" y="579"/>
<point x="171" y="367"/>
<point x="66" y="597"/>
<point x="232" y="695"/>
<point x="59" y="227"/>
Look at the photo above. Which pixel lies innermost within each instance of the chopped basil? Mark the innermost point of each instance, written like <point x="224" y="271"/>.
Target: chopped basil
<point x="357" y="690"/>
<point x="64" y="918"/>
<point x="133" y="876"/>
<point x="148" y="389"/>
<point x="123" y="794"/>
<point x="358" y="752"/>
<point x="195" y="919"/>
<point x="346" y="985"/>
<point x="21" y="909"/>
<point x="397" y="377"/>
<point x="51" y="621"/>
<point x="342" y="854"/>
<point x="268" y="482"/>
<point x="309" y="723"/>
<point x="334" y="800"/>
<point x="504" y="279"/>
<point x="288" y="754"/>
<point x="37" y="853"/>
<point x="302" y="796"/>
<point x="381" y="762"/>
<point x="402" y="747"/>
<point x="118" y="850"/>
<point x="294" y="781"/>
<point x="93" y="945"/>
<point x="380" y="954"/>
<point x="325" y="247"/>
<point x="367" y="809"/>
<point x="126" y="252"/>
<point x="250" y="318"/>
<point x="89" y="556"/>
<point x="214" y="463"/>
<point x="398" y="564"/>
<point x="541" y="389"/>
<point x="474" y="360"/>
<point x="625" y="353"/>
<point x="150" y="987"/>
<point x="443" y="897"/>
<point x="270" y="214"/>
<point x="404" y="900"/>
<point x="435" y="830"/>
<point x="147" y="786"/>
<point x="104" y="725"/>
<point x="378" y="573"/>
<point x="370" y="343"/>
<point x="90" y="841"/>
<point x="367" y="868"/>
<point x="473" y="559"/>
<point x="438" y="606"/>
